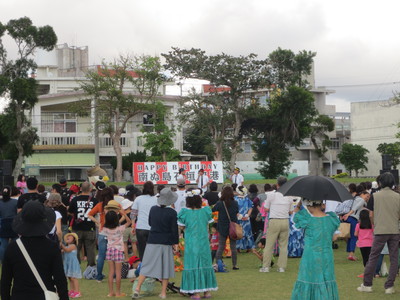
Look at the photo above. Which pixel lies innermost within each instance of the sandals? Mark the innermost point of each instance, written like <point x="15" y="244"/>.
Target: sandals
<point x="136" y="295"/>
<point x="120" y="295"/>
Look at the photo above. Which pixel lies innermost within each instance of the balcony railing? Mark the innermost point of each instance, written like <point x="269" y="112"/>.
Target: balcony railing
<point x="104" y="142"/>
<point x="65" y="140"/>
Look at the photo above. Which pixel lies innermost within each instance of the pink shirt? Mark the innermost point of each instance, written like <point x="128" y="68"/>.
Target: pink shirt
<point x="114" y="237"/>
<point x="365" y="237"/>
<point x="21" y="184"/>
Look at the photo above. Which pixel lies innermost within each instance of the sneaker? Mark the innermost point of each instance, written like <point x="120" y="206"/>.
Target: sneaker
<point x="360" y="276"/>
<point x="264" y="270"/>
<point x="76" y="295"/>
<point x="136" y="295"/>
<point x="352" y="258"/>
<point x="281" y="270"/>
<point x="70" y="293"/>
<point x="363" y="288"/>
<point x="389" y="290"/>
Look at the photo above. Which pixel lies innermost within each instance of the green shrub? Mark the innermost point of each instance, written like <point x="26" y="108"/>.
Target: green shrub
<point x="341" y="175"/>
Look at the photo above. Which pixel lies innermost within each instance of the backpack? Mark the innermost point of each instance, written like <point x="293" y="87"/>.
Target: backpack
<point x="90" y="272"/>
<point x="124" y="270"/>
<point x="221" y="267"/>
<point x="344" y="207"/>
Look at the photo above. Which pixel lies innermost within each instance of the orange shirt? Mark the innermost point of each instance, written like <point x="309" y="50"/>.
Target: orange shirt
<point x="98" y="209"/>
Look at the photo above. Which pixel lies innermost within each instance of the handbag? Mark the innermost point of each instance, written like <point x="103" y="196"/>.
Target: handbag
<point x="235" y="230"/>
<point x="344" y="229"/>
<point x="344" y="207"/>
<point x="48" y="295"/>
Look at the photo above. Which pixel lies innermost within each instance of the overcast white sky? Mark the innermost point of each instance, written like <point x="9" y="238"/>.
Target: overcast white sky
<point x="356" y="41"/>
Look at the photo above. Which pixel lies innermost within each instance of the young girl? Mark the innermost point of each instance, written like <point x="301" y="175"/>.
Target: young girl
<point x="72" y="268"/>
<point x="214" y="241"/>
<point x="115" y="249"/>
<point x="21" y="184"/>
<point x="365" y="233"/>
<point x="316" y="277"/>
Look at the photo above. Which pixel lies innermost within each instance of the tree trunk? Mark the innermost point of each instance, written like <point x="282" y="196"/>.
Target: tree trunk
<point x="218" y="150"/>
<point x="19" y="161"/>
<point x="18" y="144"/>
<point x="236" y="140"/>
<point x="234" y="152"/>
<point x="116" y="138"/>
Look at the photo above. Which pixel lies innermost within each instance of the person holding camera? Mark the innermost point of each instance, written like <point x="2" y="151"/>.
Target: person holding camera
<point x="84" y="227"/>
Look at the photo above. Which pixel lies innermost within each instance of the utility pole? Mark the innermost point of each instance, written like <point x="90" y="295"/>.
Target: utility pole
<point x="96" y="133"/>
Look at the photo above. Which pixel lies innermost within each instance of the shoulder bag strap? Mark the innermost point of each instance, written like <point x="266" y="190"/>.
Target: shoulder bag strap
<point x="31" y="265"/>
<point x="229" y="217"/>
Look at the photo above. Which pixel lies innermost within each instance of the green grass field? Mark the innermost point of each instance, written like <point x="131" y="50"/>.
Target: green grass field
<point x="248" y="283"/>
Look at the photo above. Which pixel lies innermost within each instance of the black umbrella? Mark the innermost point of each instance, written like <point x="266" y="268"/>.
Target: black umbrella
<point x="315" y="188"/>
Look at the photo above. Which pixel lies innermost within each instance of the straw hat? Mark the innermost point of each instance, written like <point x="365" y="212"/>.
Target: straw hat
<point x="113" y="205"/>
<point x="71" y="234"/>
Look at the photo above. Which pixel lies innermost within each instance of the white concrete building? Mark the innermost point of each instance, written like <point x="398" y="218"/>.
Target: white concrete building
<point x="373" y="123"/>
<point x="66" y="145"/>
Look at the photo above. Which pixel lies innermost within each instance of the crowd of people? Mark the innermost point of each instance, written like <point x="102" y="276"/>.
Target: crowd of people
<point x="65" y="227"/>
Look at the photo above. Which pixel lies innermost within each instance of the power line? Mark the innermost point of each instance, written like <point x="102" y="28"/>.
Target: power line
<point x="361" y="85"/>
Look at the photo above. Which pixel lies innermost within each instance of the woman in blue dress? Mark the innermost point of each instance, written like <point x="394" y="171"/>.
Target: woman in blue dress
<point x="296" y="239"/>
<point x="316" y="278"/>
<point x="198" y="274"/>
<point x="245" y="209"/>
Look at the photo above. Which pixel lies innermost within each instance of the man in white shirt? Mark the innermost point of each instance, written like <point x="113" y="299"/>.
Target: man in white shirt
<point x="182" y="174"/>
<point x="202" y="181"/>
<point x="279" y="209"/>
<point x="181" y="191"/>
<point x="237" y="177"/>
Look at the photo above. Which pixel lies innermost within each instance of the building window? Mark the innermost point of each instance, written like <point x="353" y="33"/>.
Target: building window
<point x="58" y="122"/>
<point x="335" y="143"/>
<point x="148" y="119"/>
<point x="246" y="146"/>
<point x="148" y="122"/>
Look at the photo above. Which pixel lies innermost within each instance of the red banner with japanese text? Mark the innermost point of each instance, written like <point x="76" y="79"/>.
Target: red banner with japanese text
<point x="167" y="172"/>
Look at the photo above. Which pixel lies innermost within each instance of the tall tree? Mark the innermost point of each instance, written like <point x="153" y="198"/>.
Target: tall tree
<point x="16" y="83"/>
<point x="287" y="68"/>
<point x="284" y="122"/>
<point x="195" y="133"/>
<point x="354" y="158"/>
<point x="160" y="141"/>
<point x="114" y="104"/>
<point x="231" y="77"/>
<point x="321" y="124"/>
<point x="212" y="114"/>
<point x="392" y="149"/>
